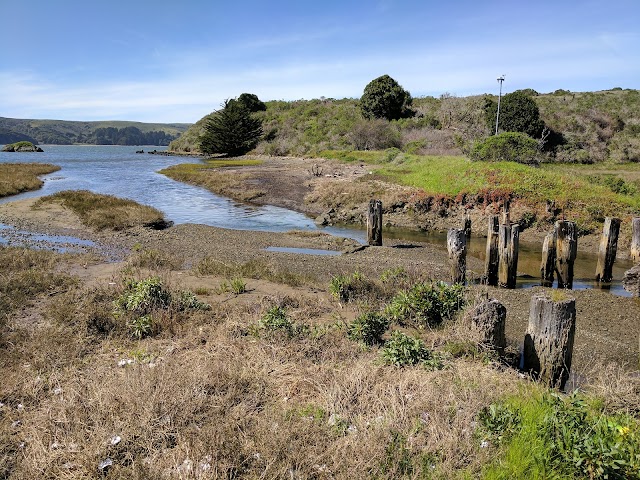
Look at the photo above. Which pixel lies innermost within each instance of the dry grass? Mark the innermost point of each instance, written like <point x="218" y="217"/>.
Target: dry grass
<point x="212" y="396"/>
<point x="106" y="211"/>
<point x="22" y="177"/>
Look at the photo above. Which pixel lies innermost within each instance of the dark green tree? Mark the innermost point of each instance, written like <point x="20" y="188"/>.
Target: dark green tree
<point x="252" y="102"/>
<point x="231" y="130"/>
<point x="384" y="98"/>
<point x="518" y="113"/>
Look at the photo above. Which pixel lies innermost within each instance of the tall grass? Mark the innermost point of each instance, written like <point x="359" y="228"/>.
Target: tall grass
<point x="22" y="177"/>
<point x="106" y="211"/>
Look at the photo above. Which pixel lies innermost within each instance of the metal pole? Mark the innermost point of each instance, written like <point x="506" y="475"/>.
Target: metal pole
<point x="500" y="80"/>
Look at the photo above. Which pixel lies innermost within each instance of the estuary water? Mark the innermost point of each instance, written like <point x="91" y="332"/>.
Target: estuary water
<point x="119" y="171"/>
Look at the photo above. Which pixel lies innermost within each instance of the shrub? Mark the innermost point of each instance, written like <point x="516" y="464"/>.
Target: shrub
<point x="518" y="113"/>
<point x="383" y="97"/>
<point x="277" y="320"/>
<point x="368" y="328"/>
<point x="346" y="288"/>
<point x="508" y="146"/>
<point x="426" y="304"/>
<point x="403" y="350"/>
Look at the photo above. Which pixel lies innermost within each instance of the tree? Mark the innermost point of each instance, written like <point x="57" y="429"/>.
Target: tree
<point x="231" y="130"/>
<point x="384" y="98"/>
<point x="252" y="102"/>
<point x="518" y="113"/>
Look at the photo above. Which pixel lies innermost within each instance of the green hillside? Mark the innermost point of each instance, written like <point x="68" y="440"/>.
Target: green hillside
<point x="63" y="132"/>
<point x="594" y="126"/>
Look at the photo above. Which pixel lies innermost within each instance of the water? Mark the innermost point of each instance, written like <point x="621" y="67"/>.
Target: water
<point x="118" y="170"/>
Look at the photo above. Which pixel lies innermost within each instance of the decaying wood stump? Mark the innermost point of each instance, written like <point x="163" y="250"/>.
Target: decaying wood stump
<point x="374" y="223"/>
<point x="548" y="265"/>
<point x="635" y="240"/>
<point x="607" y="249"/>
<point x="457" y="247"/>
<point x="631" y="281"/>
<point x="548" y="342"/>
<point x="508" y="244"/>
<point x="492" y="258"/>
<point x="566" y="252"/>
<point x="467" y="225"/>
<point x="487" y="321"/>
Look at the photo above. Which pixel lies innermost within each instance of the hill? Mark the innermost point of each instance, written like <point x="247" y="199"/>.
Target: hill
<point x="64" y="132"/>
<point x="594" y="126"/>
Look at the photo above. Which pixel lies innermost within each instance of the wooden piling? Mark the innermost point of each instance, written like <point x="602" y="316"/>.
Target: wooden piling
<point x="566" y="251"/>
<point x="374" y="223"/>
<point x="508" y="244"/>
<point x="487" y="322"/>
<point x="635" y="240"/>
<point x="548" y="342"/>
<point x="548" y="265"/>
<point x="467" y="226"/>
<point x="607" y="249"/>
<point x="492" y="257"/>
<point x="457" y="247"/>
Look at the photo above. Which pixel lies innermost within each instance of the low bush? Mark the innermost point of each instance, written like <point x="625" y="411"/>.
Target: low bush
<point x="368" y="328"/>
<point x="426" y="304"/>
<point x="402" y="350"/>
<point x="507" y="147"/>
<point x="348" y="288"/>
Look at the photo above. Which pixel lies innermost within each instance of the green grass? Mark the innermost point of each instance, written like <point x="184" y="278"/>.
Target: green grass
<point x="106" y="211"/>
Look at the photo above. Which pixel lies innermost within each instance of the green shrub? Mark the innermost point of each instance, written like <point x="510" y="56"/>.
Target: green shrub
<point x="276" y="319"/>
<point x="403" y="350"/>
<point x="142" y="297"/>
<point x="507" y="147"/>
<point x="346" y="288"/>
<point x="383" y="97"/>
<point x="368" y="328"/>
<point x="426" y="304"/>
<point x="518" y="113"/>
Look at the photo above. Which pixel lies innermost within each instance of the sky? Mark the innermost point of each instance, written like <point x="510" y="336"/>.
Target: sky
<point x="169" y="61"/>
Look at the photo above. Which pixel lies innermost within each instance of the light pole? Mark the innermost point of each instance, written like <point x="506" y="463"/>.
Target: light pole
<point x="500" y="80"/>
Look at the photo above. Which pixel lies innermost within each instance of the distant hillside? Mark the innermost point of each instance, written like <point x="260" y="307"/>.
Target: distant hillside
<point x="63" y="132"/>
<point x="595" y="126"/>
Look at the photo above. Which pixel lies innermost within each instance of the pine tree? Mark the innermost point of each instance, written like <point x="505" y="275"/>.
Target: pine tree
<point x="231" y="131"/>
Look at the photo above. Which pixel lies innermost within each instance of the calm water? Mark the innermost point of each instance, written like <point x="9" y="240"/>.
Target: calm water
<point x="118" y="170"/>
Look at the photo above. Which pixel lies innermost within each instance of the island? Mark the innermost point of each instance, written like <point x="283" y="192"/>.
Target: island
<point x="21" y="147"/>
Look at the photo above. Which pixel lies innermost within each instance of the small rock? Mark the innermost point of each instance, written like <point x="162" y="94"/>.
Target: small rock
<point x="105" y="464"/>
<point x="116" y="439"/>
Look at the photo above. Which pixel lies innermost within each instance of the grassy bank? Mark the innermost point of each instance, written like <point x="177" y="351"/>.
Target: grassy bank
<point x="102" y="212"/>
<point x="138" y="378"/>
<point x="586" y="193"/>
<point x="21" y="177"/>
<point x="211" y="175"/>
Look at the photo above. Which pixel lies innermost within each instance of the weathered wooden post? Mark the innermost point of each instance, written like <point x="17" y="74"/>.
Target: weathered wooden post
<point x="566" y="251"/>
<point x="467" y="226"/>
<point x="635" y="240"/>
<point x="508" y="244"/>
<point x="457" y="247"/>
<point x="492" y="258"/>
<point x="631" y="280"/>
<point x="374" y="223"/>
<point x="548" y="342"/>
<point x="548" y="265"/>
<point x="487" y="321"/>
<point x="607" y="250"/>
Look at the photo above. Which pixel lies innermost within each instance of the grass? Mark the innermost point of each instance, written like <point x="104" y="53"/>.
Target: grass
<point x="21" y="177"/>
<point x="166" y="389"/>
<point x="106" y="212"/>
<point x="211" y="175"/>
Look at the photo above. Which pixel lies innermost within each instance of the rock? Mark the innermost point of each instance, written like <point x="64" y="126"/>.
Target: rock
<point x="21" y="147"/>
<point x="631" y="281"/>
<point x="323" y="220"/>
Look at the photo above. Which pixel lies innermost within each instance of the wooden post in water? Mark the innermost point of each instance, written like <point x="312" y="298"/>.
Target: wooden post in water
<point x="548" y="342"/>
<point x="607" y="250"/>
<point x="457" y="247"/>
<point x="374" y="223"/>
<point x="548" y="265"/>
<point x="508" y="243"/>
<point x="467" y="226"/>
<point x="566" y="251"/>
<point x="635" y="240"/>
<point x="492" y="258"/>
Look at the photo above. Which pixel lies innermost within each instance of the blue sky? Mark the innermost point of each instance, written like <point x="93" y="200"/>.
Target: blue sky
<point x="170" y="61"/>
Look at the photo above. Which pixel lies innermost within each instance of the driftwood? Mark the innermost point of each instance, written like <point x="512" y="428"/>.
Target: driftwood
<point x="487" y="321"/>
<point x="548" y="342"/>
<point x="607" y="249"/>
<point x="492" y="258"/>
<point x="548" y="265"/>
<point x="457" y="248"/>
<point x="566" y="252"/>
<point x="635" y="240"/>
<point x="508" y="244"/>
<point x="374" y="223"/>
